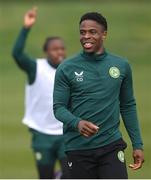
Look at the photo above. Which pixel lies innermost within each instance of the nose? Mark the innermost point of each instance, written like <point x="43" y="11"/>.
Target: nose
<point x="87" y="35"/>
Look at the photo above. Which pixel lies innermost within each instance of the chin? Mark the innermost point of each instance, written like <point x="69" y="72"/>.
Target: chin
<point x="89" y="50"/>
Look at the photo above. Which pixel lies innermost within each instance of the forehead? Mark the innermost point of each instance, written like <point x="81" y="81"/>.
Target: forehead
<point x="90" y="24"/>
<point x="56" y="42"/>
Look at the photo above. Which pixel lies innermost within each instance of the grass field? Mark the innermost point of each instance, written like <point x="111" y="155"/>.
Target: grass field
<point x="129" y="35"/>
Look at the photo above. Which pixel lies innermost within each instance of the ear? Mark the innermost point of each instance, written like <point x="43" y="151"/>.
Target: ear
<point x="104" y="35"/>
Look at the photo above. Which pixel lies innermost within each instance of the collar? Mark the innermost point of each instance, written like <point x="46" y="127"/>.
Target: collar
<point x="52" y="64"/>
<point x="93" y="56"/>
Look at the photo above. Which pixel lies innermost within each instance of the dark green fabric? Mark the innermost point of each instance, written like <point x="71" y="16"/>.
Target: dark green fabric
<point x="96" y="97"/>
<point x="24" y="61"/>
<point x="51" y="146"/>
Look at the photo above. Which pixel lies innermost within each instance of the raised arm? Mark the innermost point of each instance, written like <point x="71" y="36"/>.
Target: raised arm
<point x="24" y="61"/>
<point x="129" y="116"/>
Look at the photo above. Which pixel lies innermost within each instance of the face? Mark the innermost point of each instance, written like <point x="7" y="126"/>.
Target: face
<point x="92" y="36"/>
<point x="56" y="51"/>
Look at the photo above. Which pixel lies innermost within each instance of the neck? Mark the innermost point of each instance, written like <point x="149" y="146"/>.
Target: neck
<point x="95" y="55"/>
<point x="100" y="51"/>
<point x="52" y="64"/>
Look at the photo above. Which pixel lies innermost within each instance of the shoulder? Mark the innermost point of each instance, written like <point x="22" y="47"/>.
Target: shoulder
<point x="44" y="67"/>
<point x="42" y="63"/>
<point x="41" y="60"/>
<point x="119" y="61"/>
<point x="117" y="58"/>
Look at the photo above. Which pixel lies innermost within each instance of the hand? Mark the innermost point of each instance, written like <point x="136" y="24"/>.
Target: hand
<point x="87" y="128"/>
<point x="30" y="17"/>
<point x="138" y="156"/>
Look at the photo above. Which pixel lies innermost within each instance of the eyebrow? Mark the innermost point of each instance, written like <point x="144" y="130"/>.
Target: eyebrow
<point x="88" y="28"/>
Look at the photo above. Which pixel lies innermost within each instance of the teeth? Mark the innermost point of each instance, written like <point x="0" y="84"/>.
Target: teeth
<point x="88" y="45"/>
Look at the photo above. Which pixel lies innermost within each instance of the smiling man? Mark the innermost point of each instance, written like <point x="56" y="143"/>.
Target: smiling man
<point x="91" y="90"/>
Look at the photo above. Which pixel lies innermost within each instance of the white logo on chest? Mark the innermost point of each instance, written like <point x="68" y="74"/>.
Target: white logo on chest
<point x="79" y="76"/>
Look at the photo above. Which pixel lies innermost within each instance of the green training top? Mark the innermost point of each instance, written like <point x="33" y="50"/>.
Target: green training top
<point x="96" y="88"/>
<point x="24" y="61"/>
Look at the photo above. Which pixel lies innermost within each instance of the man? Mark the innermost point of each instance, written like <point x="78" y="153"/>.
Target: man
<point x="91" y="90"/>
<point x="47" y="138"/>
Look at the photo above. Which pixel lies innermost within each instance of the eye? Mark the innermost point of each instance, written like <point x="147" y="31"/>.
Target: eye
<point x="82" y="32"/>
<point x="93" y="31"/>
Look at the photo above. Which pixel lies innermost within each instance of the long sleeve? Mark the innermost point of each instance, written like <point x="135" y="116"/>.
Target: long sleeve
<point x="25" y="62"/>
<point x="128" y="110"/>
<point x="61" y="99"/>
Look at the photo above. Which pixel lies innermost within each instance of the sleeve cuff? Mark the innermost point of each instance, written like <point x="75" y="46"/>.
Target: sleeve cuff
<point x="138" y="146"/>
<point x="25" y="29"/>
<point x="76" y="123"/>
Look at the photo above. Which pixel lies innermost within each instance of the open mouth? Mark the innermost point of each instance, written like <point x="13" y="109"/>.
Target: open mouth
<point x="87" y="45"/>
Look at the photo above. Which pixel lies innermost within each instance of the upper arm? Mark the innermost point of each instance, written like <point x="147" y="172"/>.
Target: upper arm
<point x="24" y="61"/>
<point x="126" y="91"/>
<point x="61" y="89"/>
<point x="27" y="64"/>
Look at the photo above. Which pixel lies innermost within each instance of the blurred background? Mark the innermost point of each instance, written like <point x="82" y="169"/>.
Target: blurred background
<point x="129" y="35"/>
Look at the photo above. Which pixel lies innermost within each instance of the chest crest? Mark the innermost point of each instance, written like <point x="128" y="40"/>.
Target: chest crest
<point x="114" y="72"/>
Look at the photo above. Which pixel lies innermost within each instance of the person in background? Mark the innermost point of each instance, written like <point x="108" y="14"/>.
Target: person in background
<point x="46" y="130"/>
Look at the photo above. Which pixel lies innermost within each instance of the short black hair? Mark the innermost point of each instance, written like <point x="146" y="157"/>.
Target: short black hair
<point x="95" y="16"/>
<point x="48" y="40"/>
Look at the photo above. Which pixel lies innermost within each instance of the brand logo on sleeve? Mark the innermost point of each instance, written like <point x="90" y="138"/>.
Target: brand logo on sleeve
<point x="79" y="76"/>
<point x="114" y="72"/>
